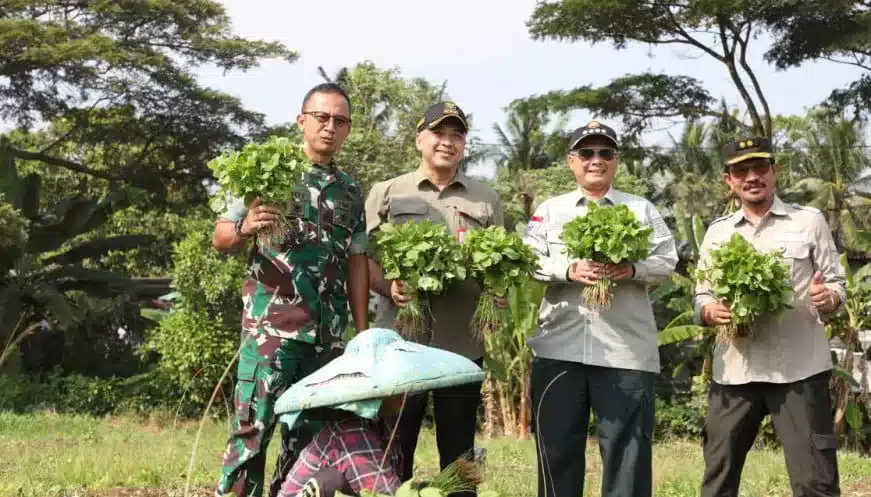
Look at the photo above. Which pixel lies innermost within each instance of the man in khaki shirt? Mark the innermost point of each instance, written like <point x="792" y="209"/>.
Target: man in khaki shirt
<point x="784" y="369"/>
<point x="437" y="190"/>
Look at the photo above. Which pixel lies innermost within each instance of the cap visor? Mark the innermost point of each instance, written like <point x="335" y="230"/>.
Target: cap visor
<point x="577" y="142"/>
<point x="753" y="155"/>
<point x="443" y="118"/>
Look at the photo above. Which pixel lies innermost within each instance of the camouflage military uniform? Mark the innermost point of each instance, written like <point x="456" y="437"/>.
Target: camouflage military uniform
<point x="295" y="315"/>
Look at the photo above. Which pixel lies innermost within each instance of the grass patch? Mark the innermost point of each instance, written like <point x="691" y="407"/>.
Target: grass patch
<point x="51" y="455"/>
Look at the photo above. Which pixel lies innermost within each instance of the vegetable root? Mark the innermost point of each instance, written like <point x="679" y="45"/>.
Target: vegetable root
<point x="728" y="332"/>
<point x="273" y="235"/>
<point x="411" y="320"/>
<point x="598" y="296"/>
<point x="487" y="318"/>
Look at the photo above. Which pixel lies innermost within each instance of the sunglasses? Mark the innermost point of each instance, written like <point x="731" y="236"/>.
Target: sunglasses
<point x="588" y="153"/>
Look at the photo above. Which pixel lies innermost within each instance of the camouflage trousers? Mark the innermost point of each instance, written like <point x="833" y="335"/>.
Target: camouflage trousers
<point x="268" y="366"/>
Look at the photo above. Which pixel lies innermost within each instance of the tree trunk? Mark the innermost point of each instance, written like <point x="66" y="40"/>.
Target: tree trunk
<point x="490" y="412"/>
<point x="506" y="402"/>
<point x="13" y="345"/>
<point x="525" y="410"/>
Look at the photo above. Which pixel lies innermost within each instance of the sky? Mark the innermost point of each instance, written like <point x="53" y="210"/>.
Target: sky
<point x="483" y="50"/>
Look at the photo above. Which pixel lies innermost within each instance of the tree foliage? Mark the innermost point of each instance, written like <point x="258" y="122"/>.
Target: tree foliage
<point x="722" y="30"/>
<point x="200" y="335"/>
<point x="835" y="30"/>
<point x="116" y="77"/>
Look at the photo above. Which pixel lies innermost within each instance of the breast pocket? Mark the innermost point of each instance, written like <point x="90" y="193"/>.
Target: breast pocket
<point x="797" y="255"/>
<point x="555" y="245"/>
<point x="404" y="209"/>
<point x="474" y="215"/>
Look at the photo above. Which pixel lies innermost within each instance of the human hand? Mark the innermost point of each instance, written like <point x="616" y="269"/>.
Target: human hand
<point x="617" y="272"/>
<point x="259" y="217"/>
<point x="500" y="301"/>
<point x="822" y="298"/>
<point x="716" y="313"/>
<point x="586" y="272"/>
<point x="397" y="289"/>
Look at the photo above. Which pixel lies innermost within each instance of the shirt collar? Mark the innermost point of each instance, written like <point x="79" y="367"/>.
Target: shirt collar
<point x="420" y="177"/>
<point x="778" y="208"/>
<point x="580" y="198"/>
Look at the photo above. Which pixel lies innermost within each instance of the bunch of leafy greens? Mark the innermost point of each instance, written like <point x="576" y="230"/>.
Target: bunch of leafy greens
<point x="268" y="170"/>
<point x="461" y="475"/>
<point x="609" y="235"/>
<point x="425" y="258"/>
<point x="752" y="282"/>
<point x="501" y="261"/>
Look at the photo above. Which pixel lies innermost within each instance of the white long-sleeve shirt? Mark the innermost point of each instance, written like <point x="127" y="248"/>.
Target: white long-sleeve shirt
<point x="622" y="336"/>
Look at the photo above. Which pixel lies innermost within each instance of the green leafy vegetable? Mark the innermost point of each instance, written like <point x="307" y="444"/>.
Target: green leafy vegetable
<point x="752" y="282"/>
<point x="426" y="258"/>
<point x="501" y="261"/>
<point x="461" y="475"/>
<point x="268" y="170"/>
<point x="608" y="235"/>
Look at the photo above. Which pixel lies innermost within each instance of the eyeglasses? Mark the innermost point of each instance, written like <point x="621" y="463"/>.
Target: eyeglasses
<point x="588" y="153"/>
<point x="741" y="170"/>
<point x="324" y="118"/>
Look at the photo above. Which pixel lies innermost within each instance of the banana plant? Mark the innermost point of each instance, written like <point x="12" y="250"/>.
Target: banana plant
<point x="678" y="296"/>
<point x="44" y="261"/>
<point x="849" y="394"/>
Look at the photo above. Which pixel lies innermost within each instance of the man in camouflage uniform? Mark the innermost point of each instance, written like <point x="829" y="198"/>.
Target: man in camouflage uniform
<point x="295" y="298"/>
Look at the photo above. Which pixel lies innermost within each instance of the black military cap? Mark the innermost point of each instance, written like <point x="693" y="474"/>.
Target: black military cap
<point x="755" y="147"/>
<point x="437" y="113"/>
<point x="592" y="128"/>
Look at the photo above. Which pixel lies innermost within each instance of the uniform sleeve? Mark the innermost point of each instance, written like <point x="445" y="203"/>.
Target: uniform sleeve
<point x="236" y="210"/>
<point x="376" y="207"/>
<point x="827" y="260"/>
<point x="359" y="237"/>
<point x="551" y="266"/>
<point x="662" y="257"/>
<point x="703" y="294"/>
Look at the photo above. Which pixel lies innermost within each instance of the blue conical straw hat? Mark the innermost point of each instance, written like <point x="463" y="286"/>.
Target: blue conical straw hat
<point x="377" y="363"/>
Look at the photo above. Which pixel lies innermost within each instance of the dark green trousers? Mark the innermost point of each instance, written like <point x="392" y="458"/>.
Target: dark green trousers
<point x="563" y="394"/>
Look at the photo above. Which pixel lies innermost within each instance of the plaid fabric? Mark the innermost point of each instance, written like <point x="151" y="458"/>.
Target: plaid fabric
<point x="355" y="447"/>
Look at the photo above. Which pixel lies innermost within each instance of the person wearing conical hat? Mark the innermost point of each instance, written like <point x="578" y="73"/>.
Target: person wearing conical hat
<point x="785" y="367"/>
<point x="362" y="395"/>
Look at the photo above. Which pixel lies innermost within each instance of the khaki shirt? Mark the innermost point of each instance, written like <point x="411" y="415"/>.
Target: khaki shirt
<point x="623" y="336"/>
<point x="465" y="203"/>
<point x="795" y="347"/>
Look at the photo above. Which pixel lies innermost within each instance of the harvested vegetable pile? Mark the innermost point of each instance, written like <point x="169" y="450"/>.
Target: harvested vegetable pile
<point x="268" y="170"/>
<point x="753" y="283"/>
<point x="610" y="235"/>
<point x="501" y="261"/>
<point x="460" y="476"/>
<point x="426" y="258"/>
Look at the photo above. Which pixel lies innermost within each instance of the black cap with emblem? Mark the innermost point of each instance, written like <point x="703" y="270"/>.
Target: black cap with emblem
<point x="756" y="147"/>
<point x="592" y="128"/>
<point x="437" y="113"/>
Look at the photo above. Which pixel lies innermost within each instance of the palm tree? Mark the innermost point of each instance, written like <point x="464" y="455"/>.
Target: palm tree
<point x="691" y="172"/>
<point x="524" y="146"/>
<point x="831" y="157"/>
